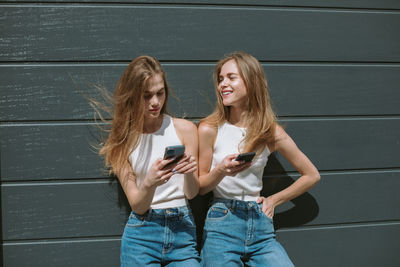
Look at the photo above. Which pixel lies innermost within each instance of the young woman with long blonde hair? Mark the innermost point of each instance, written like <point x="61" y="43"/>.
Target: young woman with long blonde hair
<point x="160" y="230"/>
<point x="239" y="228"/>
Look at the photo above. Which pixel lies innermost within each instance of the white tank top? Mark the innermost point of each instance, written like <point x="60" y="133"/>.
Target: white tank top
<point x="150" y="148"/>
<point x="247" y="184"/>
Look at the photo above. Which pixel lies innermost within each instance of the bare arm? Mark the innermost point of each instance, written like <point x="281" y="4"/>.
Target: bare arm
<point x="140" y="197"/>
<point x="209" y="179"/>
<point x="187" y="132"/>
<point x="309" y="173"/>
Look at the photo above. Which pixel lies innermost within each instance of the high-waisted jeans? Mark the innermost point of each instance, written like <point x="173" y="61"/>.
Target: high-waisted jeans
<point x="160" y="237"/>
<point x="237" y="233"/>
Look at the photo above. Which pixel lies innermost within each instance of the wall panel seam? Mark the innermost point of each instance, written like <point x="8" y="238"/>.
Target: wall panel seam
<point x="197" y="5"/>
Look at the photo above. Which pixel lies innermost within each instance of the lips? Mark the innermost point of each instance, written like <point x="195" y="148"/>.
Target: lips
<point x="226" y="92"/>
<point x="154" y="110"/>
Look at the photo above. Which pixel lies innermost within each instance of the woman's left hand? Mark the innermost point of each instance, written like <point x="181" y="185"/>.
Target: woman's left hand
<point x="186" y="165"/>
<point x="268" y="206"/>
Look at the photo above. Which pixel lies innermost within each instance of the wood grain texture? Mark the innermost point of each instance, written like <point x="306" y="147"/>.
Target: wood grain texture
<point x="98" y="208"/>
<point x="383" y="4"/>
<point x="364" y="245"/>
<point x="73" y="253"/>
<point x="358" y="245"/>
<point x="57" y="210"/>
<point x="353" y="143"/>
<point x="87" y="33"/>
<point x="339" y="198"/>
<point x="65" y="150"/>
<point x="56" y="92"/>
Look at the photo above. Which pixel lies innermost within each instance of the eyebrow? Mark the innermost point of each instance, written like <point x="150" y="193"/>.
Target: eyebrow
<point x="230" y="73"/>
<point x="148" y="92"/>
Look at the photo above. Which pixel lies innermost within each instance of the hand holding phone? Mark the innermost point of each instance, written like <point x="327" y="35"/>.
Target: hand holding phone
<point x="176" y="152"/>
<point x="246" y="157"/>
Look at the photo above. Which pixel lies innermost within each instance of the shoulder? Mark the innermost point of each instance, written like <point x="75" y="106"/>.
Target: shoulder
<point x="280" y="133"/>
<point x="207" y="130"/>
<point x="280" y="136"/>
<point x="184" y="126"/>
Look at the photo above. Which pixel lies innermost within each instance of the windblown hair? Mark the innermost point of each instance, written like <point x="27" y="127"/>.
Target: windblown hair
<point x="128" y="112"/>
<point x="261" y="119"/>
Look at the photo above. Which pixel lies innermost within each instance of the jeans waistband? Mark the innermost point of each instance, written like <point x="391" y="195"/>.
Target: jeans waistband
<point x="165" y="213"/>
<point x="238" y="204"/>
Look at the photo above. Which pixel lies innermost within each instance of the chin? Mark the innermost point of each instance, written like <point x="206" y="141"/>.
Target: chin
<point x="227" y="103"/>
<point x="153" y="115"/>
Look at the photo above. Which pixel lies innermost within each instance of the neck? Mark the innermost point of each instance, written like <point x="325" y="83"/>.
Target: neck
<point x="151" y="125"/>
<point x="237" y="116"/>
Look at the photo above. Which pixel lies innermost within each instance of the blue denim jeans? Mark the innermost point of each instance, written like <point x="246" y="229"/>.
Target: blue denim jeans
<point x="160" y="237"/>
<point x="238" y="233"/>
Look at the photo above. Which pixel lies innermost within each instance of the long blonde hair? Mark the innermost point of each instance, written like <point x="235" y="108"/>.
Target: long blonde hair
<point x="128" y="112"/>
<point x="261" y="121"/>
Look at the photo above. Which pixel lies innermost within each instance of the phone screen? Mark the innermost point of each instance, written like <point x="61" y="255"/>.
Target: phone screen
<point x="246" y="157"/>
<point x="174" y="151"/>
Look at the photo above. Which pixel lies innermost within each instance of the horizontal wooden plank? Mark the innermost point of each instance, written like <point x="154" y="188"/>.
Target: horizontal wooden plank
<point x="65" y="151"/>
<point x="345" y="246"/>
<point x="50" y="151"/>
<point x="63" y="210"/>
<point x="367" y="246"/>
<point x="101" y="253"/>
<point x="85" y="32"/>
<point x="50" y="210"/>
<point x="353" y="143"/>
<point x="387" y="4"/>
<point x="329" y="203"/>
<point x="56" y="92"/>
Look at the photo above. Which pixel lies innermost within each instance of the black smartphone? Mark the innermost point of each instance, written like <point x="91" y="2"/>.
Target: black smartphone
<point x="246" y="157"/>
<point x="174" y="151"/>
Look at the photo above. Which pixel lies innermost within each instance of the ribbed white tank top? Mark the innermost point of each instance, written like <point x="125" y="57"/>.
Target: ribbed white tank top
<point x="247" y="184"/>
<point x="150" y="148"/>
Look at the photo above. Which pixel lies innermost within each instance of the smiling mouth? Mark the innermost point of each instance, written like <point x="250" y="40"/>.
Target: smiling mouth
<point x="226" y="92"/>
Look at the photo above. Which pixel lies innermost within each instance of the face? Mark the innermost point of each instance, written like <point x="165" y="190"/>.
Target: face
<point x="231" y="85"/>
<point x="154" y="97"/>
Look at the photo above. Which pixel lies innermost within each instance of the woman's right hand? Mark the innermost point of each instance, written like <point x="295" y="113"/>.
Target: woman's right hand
<point x="230" y="167"/>
<point x="159" y="173"/>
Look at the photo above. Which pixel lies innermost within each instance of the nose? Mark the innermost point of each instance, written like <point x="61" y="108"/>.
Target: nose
<point x="154" y="101"/>
<point x="224" y="82"/>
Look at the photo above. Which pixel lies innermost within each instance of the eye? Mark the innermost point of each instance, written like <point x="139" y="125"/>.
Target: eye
<point x="147" y="96"/>
<point x="160" y="93"/>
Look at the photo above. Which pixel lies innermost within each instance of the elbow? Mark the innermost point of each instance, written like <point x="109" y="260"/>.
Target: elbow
<point x="192" y="194"/>
<point x="202" y="192"/>
<point x="316" y="177"/>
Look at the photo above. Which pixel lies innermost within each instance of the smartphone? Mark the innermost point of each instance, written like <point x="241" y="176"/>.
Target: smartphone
<point x="174" y="151"/>
<point x="246" y="157"/>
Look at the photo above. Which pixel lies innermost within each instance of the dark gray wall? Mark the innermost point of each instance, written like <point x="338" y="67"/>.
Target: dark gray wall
<point x="334" y="72"/>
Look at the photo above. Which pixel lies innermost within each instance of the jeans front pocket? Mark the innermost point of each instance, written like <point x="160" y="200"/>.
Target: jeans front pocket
<point x="217" y="212"/>
<point x="136" y="220"/>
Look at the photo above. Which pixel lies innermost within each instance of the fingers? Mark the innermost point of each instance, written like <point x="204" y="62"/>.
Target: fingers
<point x="233" y="170"/>
<point x="267" y="209"/>
<point x="165" y="178"/>
<point x="165" y="164"/>
<point x="189" y="165"/>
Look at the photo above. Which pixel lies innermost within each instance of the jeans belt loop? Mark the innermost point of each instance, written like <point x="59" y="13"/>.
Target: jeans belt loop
<point x="149" y="212"/>
<point x="233" y="204"/>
